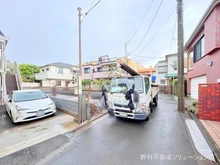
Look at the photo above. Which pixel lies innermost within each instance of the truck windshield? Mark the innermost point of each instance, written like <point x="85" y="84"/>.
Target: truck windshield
<point x="122" y="85"/>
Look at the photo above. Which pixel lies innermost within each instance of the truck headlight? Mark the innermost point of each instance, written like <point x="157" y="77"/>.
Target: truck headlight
<point x="140" y="108"/>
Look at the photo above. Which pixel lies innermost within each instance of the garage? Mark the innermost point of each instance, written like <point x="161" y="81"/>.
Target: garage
<point x="194" y="86"/>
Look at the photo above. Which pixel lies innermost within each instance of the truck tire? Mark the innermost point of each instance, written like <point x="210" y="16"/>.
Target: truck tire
<point x="148" y="118"/>
<point x="151" y="107"/>
<point x="155" y="101"/>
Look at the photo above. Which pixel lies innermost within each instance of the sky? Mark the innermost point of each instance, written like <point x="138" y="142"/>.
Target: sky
<point x="46" y="31"/>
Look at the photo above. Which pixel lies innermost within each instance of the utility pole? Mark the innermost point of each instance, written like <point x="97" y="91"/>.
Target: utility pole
<point x="80" y="69"/>
<point x="180" y="57"/>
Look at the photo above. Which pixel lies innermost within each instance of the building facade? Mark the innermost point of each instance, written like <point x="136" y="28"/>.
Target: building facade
<point x="59" y="74"/>
<point x="203" y="51"/>
<point x="3" y="67"/>
<point x="106" y="68"/>
<point x="167" y="71"/>
<point x="149" y="72"/>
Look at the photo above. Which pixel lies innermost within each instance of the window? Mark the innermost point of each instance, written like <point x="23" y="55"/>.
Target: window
<point x="175" y="65"/>
<point x="47" y="69"/>
<point x="191" y="60"/>
<point x="199" y="49"/>
<point x="162" y="69"/>
<point x="86" y="70"/>
<point x="162" y="81"/>
<point x="59" y="70"/>
<point x="99" y="69"/>
<point x="66" y="83"/>
<point x="147" y="84"/>
<point x="42" y="70"/>
<point x="123" y="84"/>
<point x="58" y="83"/>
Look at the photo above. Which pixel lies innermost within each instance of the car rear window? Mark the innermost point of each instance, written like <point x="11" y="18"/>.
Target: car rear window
<point x="29" y="96"/>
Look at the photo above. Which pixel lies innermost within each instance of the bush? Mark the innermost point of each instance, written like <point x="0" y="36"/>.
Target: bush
<point x="100" y="82"/>
<point x="194" y="103"/>
<point x="175" y="84"/>
<point x="86" y="82"/>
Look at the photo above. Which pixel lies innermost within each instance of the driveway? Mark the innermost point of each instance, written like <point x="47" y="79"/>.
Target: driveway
<point x="5" y="122"/>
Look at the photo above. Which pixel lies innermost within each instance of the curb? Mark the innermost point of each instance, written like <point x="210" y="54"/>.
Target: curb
<point x="208" y="138"/>
<point x="85" y="123"/>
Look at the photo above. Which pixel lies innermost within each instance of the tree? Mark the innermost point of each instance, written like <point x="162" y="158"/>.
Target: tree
<point x="112" y="71"/>
<point x="27" y="71"/>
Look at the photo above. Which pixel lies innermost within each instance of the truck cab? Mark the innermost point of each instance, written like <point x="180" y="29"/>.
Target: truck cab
<point x="118" y="105"/>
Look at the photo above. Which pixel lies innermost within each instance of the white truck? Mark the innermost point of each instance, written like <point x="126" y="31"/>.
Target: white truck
<point x="132" y="97"/>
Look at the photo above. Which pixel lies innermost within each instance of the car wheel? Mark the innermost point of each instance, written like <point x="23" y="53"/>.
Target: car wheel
<point x="11" y="118"/>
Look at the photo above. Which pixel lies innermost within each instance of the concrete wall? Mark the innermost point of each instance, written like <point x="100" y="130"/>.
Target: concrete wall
<point x="70" y="106"/>
<point x="64" y="104"/>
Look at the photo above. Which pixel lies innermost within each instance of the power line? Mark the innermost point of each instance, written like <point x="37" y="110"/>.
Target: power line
<point x="91" y="4"/>
<point x="148" y="27"/>
<point x="155" y="34"/>
<point x="173" y="34"/>
<point x="145" y="56"/>
<point x="141" y="22"/>
<point x="91" y="9"/>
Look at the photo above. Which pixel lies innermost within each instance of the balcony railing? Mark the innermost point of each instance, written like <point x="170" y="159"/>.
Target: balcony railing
<point x="107" y="61"/>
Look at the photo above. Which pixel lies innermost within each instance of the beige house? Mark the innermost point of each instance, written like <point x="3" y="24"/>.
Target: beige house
<point x="59" y="74"/>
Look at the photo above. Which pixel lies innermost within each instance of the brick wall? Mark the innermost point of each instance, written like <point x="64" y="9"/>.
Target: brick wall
<point x="209" y="102"/>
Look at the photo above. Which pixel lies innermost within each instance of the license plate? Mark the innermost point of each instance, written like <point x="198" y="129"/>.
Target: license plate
<point x="123" y="115"/>
<point x="40" y="113"/>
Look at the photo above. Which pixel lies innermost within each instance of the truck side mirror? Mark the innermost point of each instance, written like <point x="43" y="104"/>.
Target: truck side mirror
<point x="133" y="87"/>
<point x="136" y="96"/>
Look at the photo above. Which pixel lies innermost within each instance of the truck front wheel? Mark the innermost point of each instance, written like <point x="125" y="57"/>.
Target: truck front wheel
<point x="155" y="101"/>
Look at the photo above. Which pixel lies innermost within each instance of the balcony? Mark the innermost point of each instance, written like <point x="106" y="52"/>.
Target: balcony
<point x="53" y="75"/>
<point x="107" y="61"/>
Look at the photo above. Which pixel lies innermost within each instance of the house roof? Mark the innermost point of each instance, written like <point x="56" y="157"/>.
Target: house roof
<point x="60" y="64"/>
<point x="200" y="25"/>
<point x="1" y="34"/>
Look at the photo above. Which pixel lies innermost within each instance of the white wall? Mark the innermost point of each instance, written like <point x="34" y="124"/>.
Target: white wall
<point x="63" y="84"/>
<point x="45" y="83"/>
<point x="52" y="82"/>
<point x="169" y="63"/>
<point x="160" y="76"/>
<point x="27" y="85"/>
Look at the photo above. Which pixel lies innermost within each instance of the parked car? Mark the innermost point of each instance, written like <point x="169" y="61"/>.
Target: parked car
<point x="26" y="105"/>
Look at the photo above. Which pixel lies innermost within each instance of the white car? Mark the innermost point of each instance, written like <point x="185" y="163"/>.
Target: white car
<point x="26" y="105"/>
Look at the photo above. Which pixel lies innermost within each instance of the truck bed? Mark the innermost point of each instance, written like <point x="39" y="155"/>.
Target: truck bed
<point x="154" y="91"/>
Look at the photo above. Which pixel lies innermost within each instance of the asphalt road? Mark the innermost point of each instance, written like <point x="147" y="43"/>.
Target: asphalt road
<point x="164" y="139"/>
<point x="5" y="122"/>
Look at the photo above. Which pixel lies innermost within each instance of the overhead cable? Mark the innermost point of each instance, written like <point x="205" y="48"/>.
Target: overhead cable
<point x="155" y="34"/>
<point x="141" y="21"/>
<point x="148" y="27"/>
